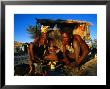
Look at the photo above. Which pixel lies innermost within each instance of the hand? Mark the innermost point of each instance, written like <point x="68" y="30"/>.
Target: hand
<point x="64" y="43"/>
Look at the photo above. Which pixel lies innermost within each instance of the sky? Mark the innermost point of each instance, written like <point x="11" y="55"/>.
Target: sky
<point x="22" y="21"/>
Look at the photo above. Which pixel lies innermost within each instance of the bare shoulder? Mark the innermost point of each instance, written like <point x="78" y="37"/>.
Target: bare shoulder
<point x="77" y="36"/>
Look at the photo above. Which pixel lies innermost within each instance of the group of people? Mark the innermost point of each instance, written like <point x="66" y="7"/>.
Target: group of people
<point x="72" y="51"/>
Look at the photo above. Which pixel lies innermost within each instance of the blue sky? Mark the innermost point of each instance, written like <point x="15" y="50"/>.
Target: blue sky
<point x="22" y="21"/>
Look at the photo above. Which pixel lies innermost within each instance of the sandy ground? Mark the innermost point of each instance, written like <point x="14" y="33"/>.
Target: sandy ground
<point x="87" y="69"/>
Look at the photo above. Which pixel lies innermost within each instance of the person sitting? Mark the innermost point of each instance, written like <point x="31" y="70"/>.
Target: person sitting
<point x="36" y="50"/>
<point x="33" y="46"/>
<point x="78" y="48"/>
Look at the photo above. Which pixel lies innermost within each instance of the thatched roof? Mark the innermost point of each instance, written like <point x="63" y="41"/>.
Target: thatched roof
<point x="64" y="25"/>
<point x="60" y="22"/>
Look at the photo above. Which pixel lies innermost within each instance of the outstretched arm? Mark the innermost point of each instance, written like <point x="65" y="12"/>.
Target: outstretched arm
<point x="30" y="57"/>
<point x="76" y="46"/>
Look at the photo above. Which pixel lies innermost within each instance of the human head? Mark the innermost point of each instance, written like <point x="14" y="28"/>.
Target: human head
<point x="65" y="37"/>
<point x="42" y="38"/>
<point x="82" y="27"/>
